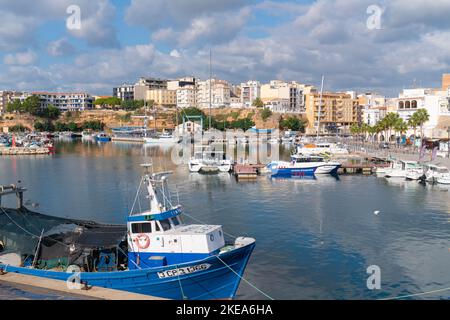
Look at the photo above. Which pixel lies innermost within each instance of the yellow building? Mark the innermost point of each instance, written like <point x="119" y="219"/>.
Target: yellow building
<point x="338" y="111"/>
<point x="162" y="97"/>
<point x="445" y="81"/>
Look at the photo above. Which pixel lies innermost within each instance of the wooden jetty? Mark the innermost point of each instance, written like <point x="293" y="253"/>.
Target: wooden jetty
<point x="61" y="286"/>
<point x="361" y="168"/>
<point x="23" y="151"/>
<point x="247" y="171"/>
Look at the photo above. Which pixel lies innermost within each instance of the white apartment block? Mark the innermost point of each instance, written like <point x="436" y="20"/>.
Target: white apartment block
<point x="373" y="108"/>
<point x="278" y="90"/>
<point x="436" y="102"/>
<point x="250" y="91"/>
<point x="66" y="101"/>
<point x="186" y="97"/>
<point x="124" y="92"/>
<point x="279" y="105"/>
<point x="219" y="93"/>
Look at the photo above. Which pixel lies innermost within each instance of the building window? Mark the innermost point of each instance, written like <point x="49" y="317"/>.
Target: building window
<point x="414" y="104"/>
<point x="407" y="105"/>
<point x="401" y="105"/>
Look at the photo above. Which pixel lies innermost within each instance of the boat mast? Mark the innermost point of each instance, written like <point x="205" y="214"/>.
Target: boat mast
<point x="320" y="108"/>
<point x="210" y="86"/>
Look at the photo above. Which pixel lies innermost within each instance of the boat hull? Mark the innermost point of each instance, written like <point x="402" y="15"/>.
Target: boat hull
<point x="161" y="140"/>
<point x="292" y="170"/>
<point x="102" y="139"/>
<point x="210" y="279"/>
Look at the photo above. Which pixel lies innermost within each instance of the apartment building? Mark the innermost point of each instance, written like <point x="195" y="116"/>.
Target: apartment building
<point x="185" y="89"/>
<point x="280" y="91"/>
<point x="373" y="108"/>
<point x="124" y="92"/>
<point x="220" y="91"/>
<point x="249" y="92"/>
<point x="162" y="97"/>
<point x="66" y="101"/>
<point x="186" y="97"/>
<point x="338" y="111"/>
<point x="144" y="84"/>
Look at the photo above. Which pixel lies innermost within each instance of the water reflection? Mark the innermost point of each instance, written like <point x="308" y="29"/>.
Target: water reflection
<point x="315" y="237"/>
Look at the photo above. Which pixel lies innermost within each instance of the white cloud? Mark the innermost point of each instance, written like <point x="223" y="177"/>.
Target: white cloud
<point x="60" y="47"/>
<point x="20" y="58"/>
<point x="325" y="37"/>
<point x="96" y="25"/>
<point x="20" y="19"/>
<point x="175" y="54"/>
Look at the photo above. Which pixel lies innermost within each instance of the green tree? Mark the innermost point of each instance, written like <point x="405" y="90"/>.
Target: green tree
<point x="258" y="103"/>
<point x="61" y="127"/>
<point x="422" y="117"/>
<point x="266" y="113"/>
<point x="72" y="126"/>
<point x="32" y="105"/>
<point x="14" y="106"/>
<point x="132" y="105"/>
<point x="18" y="128"/>
<point x="292" y="123"/>
<point x="193" y="112"/>
<point x="94" y="125"/>
<point x="108" y="102"/>
<point x="51" y="112"/>
<point x="46" y="126"/>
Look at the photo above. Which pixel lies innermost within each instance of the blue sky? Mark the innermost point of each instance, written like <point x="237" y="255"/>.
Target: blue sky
<point x="120" y="41"/>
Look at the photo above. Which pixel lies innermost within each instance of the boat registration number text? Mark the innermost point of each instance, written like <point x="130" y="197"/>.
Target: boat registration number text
<point x="183" y="271"/>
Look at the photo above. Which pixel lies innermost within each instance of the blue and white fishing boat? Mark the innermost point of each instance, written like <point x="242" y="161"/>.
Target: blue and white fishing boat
<point x="156" y="254"/>
<point x="102" y="137"/>
<point x="302" y="166"/>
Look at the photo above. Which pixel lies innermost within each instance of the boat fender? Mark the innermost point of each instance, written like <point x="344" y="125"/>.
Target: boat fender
<point x="142" y="241"/>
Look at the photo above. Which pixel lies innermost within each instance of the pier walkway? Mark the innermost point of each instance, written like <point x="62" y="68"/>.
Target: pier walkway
<point x="31" y="283"/>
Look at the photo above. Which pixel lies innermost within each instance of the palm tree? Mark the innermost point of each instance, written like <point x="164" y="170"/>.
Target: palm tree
<point x="412" y="122"/>
<point x="401" y="126"/>
<point x="422" y="118"/>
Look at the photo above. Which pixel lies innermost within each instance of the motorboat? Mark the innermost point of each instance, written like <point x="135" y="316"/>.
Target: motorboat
<point x="163" y="138"/>
<point x="322" y="148"/>
<point x="406" y="166"/>
<point x="206" y="160"/>
<point x="303" y="165"/>
<point x="102" y="137"/>
<point x="433" y="173"/>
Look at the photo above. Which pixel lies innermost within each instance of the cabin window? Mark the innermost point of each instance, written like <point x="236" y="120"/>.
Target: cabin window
<point x="141" y="227"/>
<point x="175" y="221"/>
<point x="165" y="224"/>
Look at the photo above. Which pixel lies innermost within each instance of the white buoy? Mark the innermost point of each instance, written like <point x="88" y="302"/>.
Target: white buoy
<point x="376" y="212"/>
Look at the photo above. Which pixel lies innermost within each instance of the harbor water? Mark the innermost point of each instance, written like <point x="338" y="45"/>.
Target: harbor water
<point x="315" y="237"/>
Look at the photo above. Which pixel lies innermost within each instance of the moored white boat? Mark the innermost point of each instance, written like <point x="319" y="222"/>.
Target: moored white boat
<point x="444" y="180"/>
<point x="321" y="148"/>
<point x="433" y="173"/>
<point x="406" y="166"/>
<point x="163" y="138"/>
<point x="302" y="166"/>
<point x="209" y="161"/>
